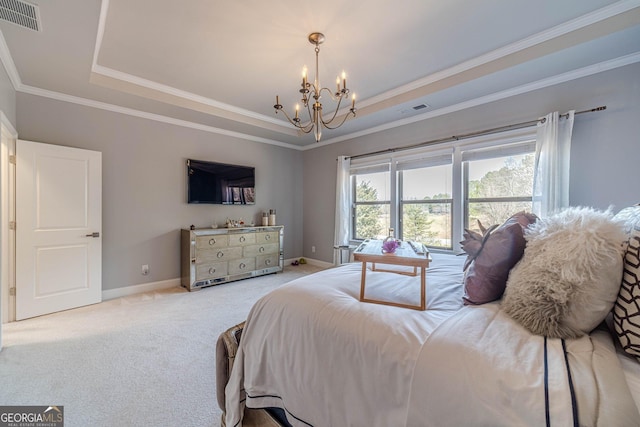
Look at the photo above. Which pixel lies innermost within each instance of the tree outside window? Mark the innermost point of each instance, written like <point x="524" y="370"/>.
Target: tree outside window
<point x="501" y="191"/>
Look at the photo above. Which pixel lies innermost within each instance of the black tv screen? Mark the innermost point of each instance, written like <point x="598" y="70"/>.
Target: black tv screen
<point x="220" y="183"/>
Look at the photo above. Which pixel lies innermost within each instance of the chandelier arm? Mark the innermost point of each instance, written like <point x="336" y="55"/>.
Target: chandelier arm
<point x="335" y="113"/>
<point x="335" y="96"/>
<point x="346" y="116"/>
<point x="303" y="128"/>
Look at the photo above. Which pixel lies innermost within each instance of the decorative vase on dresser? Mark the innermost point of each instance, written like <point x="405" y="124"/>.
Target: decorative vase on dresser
<point x="213" y="256"/>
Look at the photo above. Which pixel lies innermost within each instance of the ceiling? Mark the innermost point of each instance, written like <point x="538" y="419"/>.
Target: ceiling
<point x="218" y="65"/>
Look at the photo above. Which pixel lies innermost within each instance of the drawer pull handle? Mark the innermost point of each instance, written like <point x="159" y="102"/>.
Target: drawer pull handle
<point x="261" y="249"/>
<point x="267" y="261"/>
<point x="212" y="270"/>
<point x="212" y="241"/>
<point x="242" y="239"/>
<point x="242" y="265"/>
<point x="267" y="237"/>
<point x="220" y="254"/>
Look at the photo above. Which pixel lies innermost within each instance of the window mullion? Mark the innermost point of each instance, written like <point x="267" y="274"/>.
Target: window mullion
<point x="458" y="205"/>
<point x="393" y="190"/>
<point x="352" y="185"/>
<point x="399" y="204"/>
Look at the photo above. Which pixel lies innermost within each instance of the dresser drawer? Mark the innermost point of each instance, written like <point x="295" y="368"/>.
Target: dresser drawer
<point x="215" y="241"/>
<point x="267" y="237"/>
<point x="266" y="261"/>
<point x="242" y="239"/>
<point x="243" y="265"/>
<point x="266" y="249"/>
<point x="211" y="270"/>
<point x="221" y="254"/>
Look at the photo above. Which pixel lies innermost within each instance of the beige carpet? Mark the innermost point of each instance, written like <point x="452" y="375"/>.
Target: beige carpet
<point x="146" y="359"/>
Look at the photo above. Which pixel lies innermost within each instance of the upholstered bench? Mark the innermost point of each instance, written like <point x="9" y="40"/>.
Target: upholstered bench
<point x="226" y="348"/>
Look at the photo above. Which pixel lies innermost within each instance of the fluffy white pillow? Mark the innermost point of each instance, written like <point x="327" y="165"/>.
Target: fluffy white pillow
<point x="569" y="277"/>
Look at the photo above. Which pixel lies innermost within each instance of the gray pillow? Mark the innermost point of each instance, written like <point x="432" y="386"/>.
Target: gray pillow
<point x="491" y="256"/>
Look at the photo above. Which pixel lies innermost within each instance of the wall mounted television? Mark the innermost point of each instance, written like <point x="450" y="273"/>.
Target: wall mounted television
<point x="220" y="183"/>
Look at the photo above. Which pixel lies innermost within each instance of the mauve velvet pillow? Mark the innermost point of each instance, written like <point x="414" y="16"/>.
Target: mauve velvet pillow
<point x="491" y="256"/>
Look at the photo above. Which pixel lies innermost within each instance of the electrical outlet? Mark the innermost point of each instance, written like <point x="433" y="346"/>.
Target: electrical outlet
<point x="313" y="249"/>
<point x="145" y="269"/>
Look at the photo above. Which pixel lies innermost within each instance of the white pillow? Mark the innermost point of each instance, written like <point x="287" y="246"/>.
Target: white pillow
<point x="569" y="277"/>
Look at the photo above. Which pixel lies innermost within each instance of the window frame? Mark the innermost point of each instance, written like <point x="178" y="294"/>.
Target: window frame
<point x="377" y="167"/>
<point x="518" y="141"/>
<point x="434" y="160"/>
<point x="500" y="151"/>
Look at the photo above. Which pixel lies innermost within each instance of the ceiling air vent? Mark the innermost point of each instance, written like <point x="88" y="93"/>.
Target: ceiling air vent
<point x="21" y="13"/>
<point x="411" y="110"/>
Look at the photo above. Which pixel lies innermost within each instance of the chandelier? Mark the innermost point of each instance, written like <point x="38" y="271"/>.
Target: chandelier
<point x="316" y="121"/>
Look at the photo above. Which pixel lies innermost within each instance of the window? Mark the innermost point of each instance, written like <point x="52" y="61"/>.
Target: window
<point x="430" y="195"/>
<point x="497" y="185"/>
<point x="426" y="203"/>
<point x="371" y="205"/>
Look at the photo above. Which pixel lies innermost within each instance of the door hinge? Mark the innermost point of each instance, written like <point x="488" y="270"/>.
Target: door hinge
<point x="12" y="292"/>
<point x="12" y="225"/>
<point x="12" y="159"/>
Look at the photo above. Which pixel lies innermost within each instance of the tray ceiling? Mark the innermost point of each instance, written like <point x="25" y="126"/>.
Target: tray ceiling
<point x="219" y="65"/>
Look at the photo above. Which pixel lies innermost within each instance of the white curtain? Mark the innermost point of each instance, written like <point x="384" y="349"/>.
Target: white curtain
<point x="343" y="203"/>
<point x="551" y="169"/>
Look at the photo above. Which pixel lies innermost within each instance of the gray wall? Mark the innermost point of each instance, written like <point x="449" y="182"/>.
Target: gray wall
<point x="604" y="155"/>
<point x="144" y="183"/>
<point x="7" y="96"/>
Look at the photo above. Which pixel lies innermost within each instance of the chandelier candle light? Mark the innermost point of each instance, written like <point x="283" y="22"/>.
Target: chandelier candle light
<point x="308" y="91"/>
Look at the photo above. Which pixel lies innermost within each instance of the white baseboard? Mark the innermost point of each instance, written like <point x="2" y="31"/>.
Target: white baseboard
<point x="137" y="289"/>
<point x="164" y="284"/>
<point x="311" y="261"/>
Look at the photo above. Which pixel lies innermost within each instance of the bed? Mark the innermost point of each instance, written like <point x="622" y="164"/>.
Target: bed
<point x="317" y="356"/>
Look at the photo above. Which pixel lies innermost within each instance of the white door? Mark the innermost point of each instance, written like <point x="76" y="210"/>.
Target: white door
<point x="58" y="228"/>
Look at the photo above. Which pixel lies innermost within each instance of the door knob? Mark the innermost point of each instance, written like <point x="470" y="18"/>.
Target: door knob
<point x="94" y="234"/>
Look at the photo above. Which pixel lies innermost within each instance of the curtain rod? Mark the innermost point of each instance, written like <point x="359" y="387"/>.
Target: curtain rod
<point x="470" y="135"/>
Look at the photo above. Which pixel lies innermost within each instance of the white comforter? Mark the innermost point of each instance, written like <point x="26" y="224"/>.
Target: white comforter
<point x="312" y="349"/>
<point x="491" y="372"/>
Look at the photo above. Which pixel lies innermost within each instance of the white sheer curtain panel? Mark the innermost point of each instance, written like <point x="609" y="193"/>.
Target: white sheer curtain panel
<point x="551" y="168"/>
<point x="343" y="203"/>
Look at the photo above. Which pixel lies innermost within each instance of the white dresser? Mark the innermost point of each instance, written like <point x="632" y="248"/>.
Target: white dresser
<point x="210" y="256"/>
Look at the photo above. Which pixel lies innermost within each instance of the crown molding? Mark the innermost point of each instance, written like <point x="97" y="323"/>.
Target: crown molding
<point x="529" y="87"/>
<point x="540" y="84"/>
<point x="198" y="102"/>
<point x="149" y="116"/>
<point x="208" y="105"/>
<point x="231" y="112"/>
<point x="7" y="125"/>
<point x="9" y="65"/>
<point x="526" y="43"/>
<point x="562" y="29"/>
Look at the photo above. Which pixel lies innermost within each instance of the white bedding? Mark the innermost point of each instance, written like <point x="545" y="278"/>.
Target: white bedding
<point x="631" y="368"/>
<point x="311" y="348"/>
<point x="491" y="372"/>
